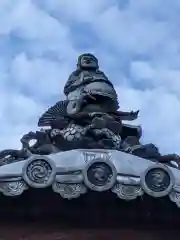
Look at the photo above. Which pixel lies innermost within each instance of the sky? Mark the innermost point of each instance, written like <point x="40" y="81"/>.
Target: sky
<point x="136" y="42"/>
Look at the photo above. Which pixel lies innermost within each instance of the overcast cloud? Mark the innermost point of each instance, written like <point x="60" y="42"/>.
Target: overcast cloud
<point x="137" y="43"/>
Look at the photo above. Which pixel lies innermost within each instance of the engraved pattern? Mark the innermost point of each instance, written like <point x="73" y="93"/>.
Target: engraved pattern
<point x="69" y="191"/>
<point x="127" y="192"/>
<point x="54" y="112"/>
<point x="73" y="132"/>
<point x="13" y="188"/>
<point x="175" y="197"/>
<point x="90" y="156"/>
<point x="157" y="180"/>
<point x="100" y="174"/>
<point x="39" y="172"/>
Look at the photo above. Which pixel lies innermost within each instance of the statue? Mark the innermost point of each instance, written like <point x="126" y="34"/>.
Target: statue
<point x="89" y="117"/>
<point x="88" y="146"/>
<point x="89" y="84"/>
<point x="90" y="109"/>
<point x="87" y="71"/>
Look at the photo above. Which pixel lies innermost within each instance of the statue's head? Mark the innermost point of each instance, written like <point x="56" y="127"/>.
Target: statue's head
<point x="87" y="61"/>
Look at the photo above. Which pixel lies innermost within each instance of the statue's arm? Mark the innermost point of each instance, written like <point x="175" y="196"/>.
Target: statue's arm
<point x="128" y="116"/>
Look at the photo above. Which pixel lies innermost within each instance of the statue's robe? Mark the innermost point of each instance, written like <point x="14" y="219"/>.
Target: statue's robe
<point x="98" y="85"/>
<point x="106" y="100"/>
<point x="84" y="77"/>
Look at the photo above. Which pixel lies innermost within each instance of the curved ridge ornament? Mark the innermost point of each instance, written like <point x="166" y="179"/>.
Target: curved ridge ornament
<point x="158" y="180"/>
<point x="100" y="174"/>
<point x="69" y="191"/>
<point x="13" y="188"/>
<point x="127" y="192"/>
<point x="175" y="197"/>
<point x="39" y="172"/>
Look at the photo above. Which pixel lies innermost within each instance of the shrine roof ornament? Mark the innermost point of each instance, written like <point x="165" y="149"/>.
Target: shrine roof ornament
<point x="88" y="147"/>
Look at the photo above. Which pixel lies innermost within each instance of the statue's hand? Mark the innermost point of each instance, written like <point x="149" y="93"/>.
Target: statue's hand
<point x="87" y="94"/>
<point x="134" y="115"/>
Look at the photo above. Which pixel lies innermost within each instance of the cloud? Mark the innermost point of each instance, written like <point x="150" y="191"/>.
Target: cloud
<point x="36" y="74"/>
<point x="78" y="11"/>
<point x="158" y="118"/>
<point x="136" y="41"/>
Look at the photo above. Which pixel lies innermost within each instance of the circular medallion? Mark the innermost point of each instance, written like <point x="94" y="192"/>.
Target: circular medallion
<point x="100" y="175"/>
<point x="39" y="172"/>
<point x="157" y="180"/>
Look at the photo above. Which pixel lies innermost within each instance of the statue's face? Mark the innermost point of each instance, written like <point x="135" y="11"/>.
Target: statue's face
<point x="88" y="62"/>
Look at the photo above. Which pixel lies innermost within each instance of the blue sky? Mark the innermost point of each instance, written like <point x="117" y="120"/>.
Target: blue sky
<point x="138" y="46"/>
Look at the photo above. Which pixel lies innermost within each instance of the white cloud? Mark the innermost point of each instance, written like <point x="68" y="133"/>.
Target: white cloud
<point x="44" y="34"/>
<point x="137" y="43"/>
<point x="38" y="74"/>
<point x="131" y="32"/>
<point x="159" y="117"/>
<point x="79" y="11"/>
<point x="144" y="72"/>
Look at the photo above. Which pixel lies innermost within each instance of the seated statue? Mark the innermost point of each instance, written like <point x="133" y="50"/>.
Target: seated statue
<point x="89" y="82"/>
<point x="93" y="89"/>
<point x="90" y="108"/>
<point x="87" y="72"/>
<point x="89" y="117"/>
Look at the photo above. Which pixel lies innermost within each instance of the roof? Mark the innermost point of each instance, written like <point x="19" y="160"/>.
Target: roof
<point x="74" y="173"/>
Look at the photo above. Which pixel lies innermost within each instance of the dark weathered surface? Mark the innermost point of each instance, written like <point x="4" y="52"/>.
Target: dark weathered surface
<point x="43" y="215"/>
<point x="33" y="232"/>
<point x="93" y="210"/>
